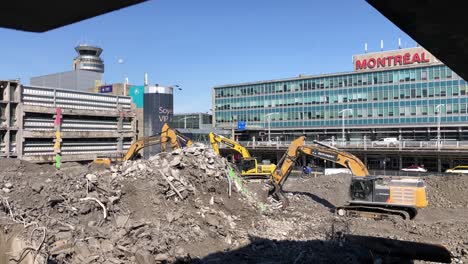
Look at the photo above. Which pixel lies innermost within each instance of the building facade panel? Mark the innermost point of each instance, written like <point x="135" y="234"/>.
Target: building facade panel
<point x="404" y="96"/>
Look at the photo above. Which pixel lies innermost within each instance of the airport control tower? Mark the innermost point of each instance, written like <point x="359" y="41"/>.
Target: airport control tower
<point x="88" y="58"/>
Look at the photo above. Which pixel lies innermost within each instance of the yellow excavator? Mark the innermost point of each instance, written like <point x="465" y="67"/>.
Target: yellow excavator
<point x="249" y="165"/>
<point x="370" y="196"/>
<point x="175" y="139"/>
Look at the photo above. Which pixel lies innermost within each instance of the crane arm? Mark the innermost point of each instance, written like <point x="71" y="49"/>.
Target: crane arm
<point x="216" y="139"/>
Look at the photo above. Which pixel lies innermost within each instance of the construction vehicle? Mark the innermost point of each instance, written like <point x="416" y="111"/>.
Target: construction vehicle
<point x="175" y="139"/>
<point x="371" y="196"/>
<point x="247" y="164"/>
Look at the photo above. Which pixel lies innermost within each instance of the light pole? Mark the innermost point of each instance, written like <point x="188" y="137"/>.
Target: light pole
<point x="438" y="124"/>
<point x="124" y="83"/>
<point x="268" y="118"/>
<point x="185" y="120"/>
<point x="342" y="112"/>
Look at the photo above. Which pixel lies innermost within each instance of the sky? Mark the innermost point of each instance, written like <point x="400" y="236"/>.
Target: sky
<point x="205" y="43"/>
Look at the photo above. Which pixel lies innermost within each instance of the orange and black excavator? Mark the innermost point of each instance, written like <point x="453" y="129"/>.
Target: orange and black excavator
<point x="175" y="139"/>
<point x="372" y="196"/>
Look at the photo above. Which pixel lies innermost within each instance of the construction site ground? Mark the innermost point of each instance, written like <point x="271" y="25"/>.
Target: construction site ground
<point x="181" y="207"/>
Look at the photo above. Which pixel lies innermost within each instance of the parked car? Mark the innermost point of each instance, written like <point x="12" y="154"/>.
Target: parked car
<point x="415" y="168"/>
<point x="458" y="169"/>
<point x="390" y="142"/>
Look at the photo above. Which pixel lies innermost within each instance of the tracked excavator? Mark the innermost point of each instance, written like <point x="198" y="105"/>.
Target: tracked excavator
<point x="370" y="196"/>
<point x="248" y="165"/>
<point x="168" y="135"/>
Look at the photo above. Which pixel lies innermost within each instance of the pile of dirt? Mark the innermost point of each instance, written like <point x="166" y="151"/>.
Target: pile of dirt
<point x="450" y="191"/>
<point x="146" y="211"/>
<point x="181" y="207"/>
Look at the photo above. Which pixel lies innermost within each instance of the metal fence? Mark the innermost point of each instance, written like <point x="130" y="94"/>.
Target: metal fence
<point x="399" y="145"/>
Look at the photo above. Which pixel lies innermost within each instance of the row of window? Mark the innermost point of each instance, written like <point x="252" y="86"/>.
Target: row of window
<point x="378" y="111"/>
<point x="387" y="93"/>
<point x="423" y="74"/>
<point x="365" y="122"/>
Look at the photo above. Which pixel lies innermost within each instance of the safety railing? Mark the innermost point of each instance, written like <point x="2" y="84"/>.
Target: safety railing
<point x="399" y="145"/>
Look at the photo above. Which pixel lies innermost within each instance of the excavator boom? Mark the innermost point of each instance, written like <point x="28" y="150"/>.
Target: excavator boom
<point x="167" y="135"/>
<point x="216" y="139"/>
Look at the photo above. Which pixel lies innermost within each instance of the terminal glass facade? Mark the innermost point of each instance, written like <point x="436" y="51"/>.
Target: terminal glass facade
<point x="397" y="97"/>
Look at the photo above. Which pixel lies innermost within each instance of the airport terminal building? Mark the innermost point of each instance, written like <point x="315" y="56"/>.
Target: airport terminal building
<point x="388" y="94"/>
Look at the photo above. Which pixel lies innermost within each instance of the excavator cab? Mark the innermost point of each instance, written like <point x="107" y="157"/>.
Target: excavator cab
<point x="248" y="165"/>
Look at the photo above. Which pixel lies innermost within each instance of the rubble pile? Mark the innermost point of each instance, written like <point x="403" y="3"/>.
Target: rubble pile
<point x="146" y="211"/>
<point x="448" y="191"/>
<point x="180" y="207"/>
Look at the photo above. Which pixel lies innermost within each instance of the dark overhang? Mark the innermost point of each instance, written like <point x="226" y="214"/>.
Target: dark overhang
<point x="436" y="25"/>
<point x="44" y="15"/>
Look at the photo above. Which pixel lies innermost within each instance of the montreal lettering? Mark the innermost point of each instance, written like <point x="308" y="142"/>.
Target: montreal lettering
<point x="388" y="61"/>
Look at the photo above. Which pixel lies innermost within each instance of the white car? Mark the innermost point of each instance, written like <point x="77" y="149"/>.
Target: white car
<point x="415" y="168"/>
<point x="458" y="169"/>
<point x="386" y="142"/>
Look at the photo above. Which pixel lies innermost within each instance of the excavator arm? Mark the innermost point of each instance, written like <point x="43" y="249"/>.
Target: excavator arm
<point x="297" y="149"/>
<point x="317" y="150"/>
<point x="346" y="159"/>
<point x="215" y="140"/>
<point x="167" y="135"/>
<point x="143" y="143"/>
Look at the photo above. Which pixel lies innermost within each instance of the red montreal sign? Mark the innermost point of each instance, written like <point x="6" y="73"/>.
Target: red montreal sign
<point x="389" y="61"/>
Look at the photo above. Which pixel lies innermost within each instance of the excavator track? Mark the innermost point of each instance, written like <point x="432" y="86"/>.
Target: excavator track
<point x="376" y="212"/>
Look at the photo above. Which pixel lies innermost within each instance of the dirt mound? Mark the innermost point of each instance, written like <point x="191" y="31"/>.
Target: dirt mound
<point x="145" y="211"/>
<point x="447" y="191"/>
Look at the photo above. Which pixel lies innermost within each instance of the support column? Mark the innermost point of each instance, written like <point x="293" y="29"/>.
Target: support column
<point x="365" y="160"/>
<point x="19" y="134"/>
<point x="439" y="165"/>
<point x="58" y="138"/>
<point x="119" y="130"/>
<point x="400" y="162"/>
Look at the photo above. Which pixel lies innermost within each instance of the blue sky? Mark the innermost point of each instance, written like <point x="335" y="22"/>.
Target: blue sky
<point x="200" y="44"/>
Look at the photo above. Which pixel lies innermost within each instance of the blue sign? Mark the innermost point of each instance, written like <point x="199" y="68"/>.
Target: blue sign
<point x="241" y="125"/>
<point x="105" y="89"/>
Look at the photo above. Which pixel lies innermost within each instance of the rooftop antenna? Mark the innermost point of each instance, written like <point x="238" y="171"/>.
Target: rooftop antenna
<point x="381" y="45"/>
<point x="399" y="43"/>
<point x="365" y="47"/>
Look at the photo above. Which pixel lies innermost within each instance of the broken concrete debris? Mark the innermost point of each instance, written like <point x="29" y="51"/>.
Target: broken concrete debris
<point x="175" y="207"/>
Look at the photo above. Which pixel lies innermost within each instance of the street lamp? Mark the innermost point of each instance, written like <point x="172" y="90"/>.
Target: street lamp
<point x="124" y="83"/>
<point x="438" y="124"/>
<point x="343" y="118"/>
<point x="185" y="120"/>
<point x="268" y="118"/>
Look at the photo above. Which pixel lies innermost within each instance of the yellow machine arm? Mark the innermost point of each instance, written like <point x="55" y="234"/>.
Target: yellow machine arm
<point x="174" y="137"/>
<point x="297" y="148"/>
<point x="284" y="166"/>
<point x="143" y="143"/>
<point x="216" y="139"/>
<point x="345" y="159"/>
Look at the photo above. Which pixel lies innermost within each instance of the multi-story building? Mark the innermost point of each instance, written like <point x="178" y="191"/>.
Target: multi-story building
<point x="394" y="93"/>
